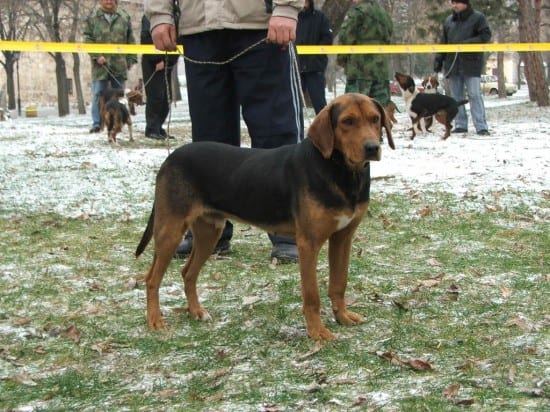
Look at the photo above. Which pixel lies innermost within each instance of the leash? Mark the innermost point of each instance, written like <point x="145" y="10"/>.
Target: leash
<point x="111" y="75"/>
<point x="452" y="66"/>
<point x="221" y="63"/>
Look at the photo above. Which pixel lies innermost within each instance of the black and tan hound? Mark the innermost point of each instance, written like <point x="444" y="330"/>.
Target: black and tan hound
<point x="315" y="191"/>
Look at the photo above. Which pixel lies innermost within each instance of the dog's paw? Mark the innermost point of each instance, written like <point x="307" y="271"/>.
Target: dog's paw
<point x="200" y="314"/>
<point x="321" y="333"/>
<point x="348" y="318"/>
<point x="155" y="323"/>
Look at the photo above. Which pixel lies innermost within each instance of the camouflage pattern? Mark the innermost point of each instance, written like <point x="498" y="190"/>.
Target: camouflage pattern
<point x="97" y="29"/>
<point x="377" y="89"/>
<point x="367" y="23"/>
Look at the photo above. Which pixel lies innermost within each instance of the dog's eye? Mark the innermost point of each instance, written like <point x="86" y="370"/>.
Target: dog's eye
<point x="375" y="119"/>
<point x="348" y="121"/>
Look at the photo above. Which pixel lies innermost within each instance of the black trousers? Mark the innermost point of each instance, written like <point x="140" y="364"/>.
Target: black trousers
<point x="157" y="104"/>
<point x="314" y="84"/>
<point x="260" y="85"/>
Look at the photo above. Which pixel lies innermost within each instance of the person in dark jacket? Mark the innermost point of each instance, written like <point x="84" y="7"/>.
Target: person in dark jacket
<point x="465" y="25"/>
<point x="158" y="85"/>
<point x="313" y="29"/>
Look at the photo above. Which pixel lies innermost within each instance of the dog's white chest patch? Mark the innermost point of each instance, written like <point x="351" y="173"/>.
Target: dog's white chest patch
<point x="343" y="221"/>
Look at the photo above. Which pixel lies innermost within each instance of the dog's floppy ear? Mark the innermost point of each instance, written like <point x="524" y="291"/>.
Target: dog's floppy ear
<point x="386" y="123"/>
<point x="321" y="131"/>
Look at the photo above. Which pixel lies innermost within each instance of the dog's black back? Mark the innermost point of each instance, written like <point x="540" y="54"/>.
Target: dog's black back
<point x="116" y="112"/>
<point x="110" y="93"/>
<point x="426" y="104"/>
<point x="235" y="176"/>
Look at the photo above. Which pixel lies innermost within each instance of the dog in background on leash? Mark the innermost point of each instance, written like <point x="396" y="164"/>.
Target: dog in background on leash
<point x="422" y="105"/>
<point x="115" y="113"/>
<point x="430" y="83"/>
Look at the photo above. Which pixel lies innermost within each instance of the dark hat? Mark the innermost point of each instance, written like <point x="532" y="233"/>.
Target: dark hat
<point x="461" y="1"/>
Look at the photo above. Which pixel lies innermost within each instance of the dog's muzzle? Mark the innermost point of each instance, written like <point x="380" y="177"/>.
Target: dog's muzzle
<point x="372" y="151"/>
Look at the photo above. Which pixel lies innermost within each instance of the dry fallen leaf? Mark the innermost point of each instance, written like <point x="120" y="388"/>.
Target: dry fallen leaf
<point x="506" y="292"/>
<point x="72" y="333"/>
<point x="452" y="391"/>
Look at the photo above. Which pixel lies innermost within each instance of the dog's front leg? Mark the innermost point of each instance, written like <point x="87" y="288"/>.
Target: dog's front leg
<point x="309" y="252"/>
<point x="339" y="255"/>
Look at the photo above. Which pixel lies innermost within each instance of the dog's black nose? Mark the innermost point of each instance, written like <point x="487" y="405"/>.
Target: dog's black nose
<point x="372" y="150"/>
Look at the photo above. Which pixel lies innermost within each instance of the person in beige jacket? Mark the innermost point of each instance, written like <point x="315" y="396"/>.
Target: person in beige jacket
<point x="260" y="85"/>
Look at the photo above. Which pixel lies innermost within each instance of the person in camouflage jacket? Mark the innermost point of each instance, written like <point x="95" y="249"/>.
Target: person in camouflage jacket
<point x="367" y="22"/>
<point x="108" y="24"/>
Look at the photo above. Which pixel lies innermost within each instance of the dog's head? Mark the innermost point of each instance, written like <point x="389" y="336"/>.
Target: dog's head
<point x="351" y="124"/>
<point x="406" y="84"/>
<point x="135" y="98"/>
<point x="430" y="84"/>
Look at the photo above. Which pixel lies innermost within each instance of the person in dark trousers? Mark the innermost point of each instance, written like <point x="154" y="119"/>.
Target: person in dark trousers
<point x="465" y="25"/>
<point x="157" y="74"/>
<point x="313" y="29"/>
<point x="235" y="72"/>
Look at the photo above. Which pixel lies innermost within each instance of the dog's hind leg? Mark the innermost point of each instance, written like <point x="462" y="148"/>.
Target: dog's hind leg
<point x="445" y="119"/>
<point x="130" y="129"/>
<point x="205" y="236"/>
<point x="167" y="235"/>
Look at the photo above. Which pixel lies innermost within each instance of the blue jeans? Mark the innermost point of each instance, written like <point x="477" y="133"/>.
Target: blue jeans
<point x="477" y="108"/>
<point x="97" y="88"/>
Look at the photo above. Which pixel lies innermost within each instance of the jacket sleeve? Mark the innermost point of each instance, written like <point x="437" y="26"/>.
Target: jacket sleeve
<point x="440" y="57"/>
<point x="159" y="11"/>
<point x="88" y="33"/>
<point x="287" y="8"/>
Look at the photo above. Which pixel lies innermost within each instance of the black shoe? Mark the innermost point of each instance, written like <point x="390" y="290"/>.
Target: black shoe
<point x="223" y="248"/>
<point x="285" y="252"/>
<point x="154" y="136"/>
<point x="483" y="133"/>
<point x="94" y="129"/>
<point x="166" y="135"/>
<point x="459" y="130"/>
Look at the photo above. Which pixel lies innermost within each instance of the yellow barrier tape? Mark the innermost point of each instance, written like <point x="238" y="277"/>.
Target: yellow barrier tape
<point x="52" y="47"/>
<point x="94" y="48"/>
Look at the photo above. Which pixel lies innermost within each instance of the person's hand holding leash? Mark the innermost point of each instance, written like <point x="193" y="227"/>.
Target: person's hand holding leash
<point x="164" y="37"/>
<point x="281" y="30"/>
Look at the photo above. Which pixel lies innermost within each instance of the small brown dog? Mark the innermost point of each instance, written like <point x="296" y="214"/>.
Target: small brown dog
<point x="115" y="114"/>
<point x="315" y="191"/>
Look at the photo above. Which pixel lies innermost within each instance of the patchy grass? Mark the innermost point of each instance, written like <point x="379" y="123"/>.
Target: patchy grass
<point x="454" y="291"/>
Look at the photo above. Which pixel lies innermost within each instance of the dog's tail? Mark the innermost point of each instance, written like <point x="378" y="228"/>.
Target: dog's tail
<point x="147" y="234"/>
<point x="460" y="103"/>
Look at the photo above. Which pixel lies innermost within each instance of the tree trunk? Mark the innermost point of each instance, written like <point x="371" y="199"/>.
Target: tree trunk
<point x="78" y="84"/>
<point x="62" y="89"/>
<point x="10" y="83"/>
<point x="534" y="68"/>
<point x="500" y="76"/>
